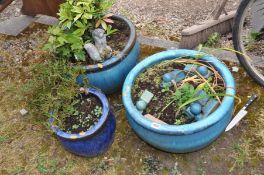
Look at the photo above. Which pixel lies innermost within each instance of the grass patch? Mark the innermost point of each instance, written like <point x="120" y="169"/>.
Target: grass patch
<point x="241" y="155"/>
<point x="3" y="139"/>
<point x="17" y="171"/>
<point x="200" y="171"/>
<point x="212" y="40"/>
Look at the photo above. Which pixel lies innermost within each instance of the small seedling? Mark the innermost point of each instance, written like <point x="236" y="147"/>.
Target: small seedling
<point x="255" y="35"/>
<point x="178" y="122"/>
<point x="165" y="87"/>
<point x="110" y="30"/>
<point x="75" y="126"/>
<point x="97" y="111"/>
<point x="241" y="155"/>
<point x="212" y="40"/>
<point x="200" y="172"/>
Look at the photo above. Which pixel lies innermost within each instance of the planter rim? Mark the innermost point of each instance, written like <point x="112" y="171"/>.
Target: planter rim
<point x="95" y="128"/>
<point x="181" y="129"/>
<point x="116" y="59"/>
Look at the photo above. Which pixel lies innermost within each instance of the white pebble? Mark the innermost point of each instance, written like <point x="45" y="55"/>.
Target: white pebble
<point x="23" y="112"/>
<point x="235" y="69"/>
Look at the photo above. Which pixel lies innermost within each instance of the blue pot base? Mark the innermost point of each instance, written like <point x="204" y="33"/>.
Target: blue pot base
<point x="183" y="138"/>
<point x="94" y="145"/>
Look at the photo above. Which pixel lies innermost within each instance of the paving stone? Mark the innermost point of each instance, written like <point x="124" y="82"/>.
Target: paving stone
<point x="16" y="25"/>
<point x="47" y="20"/>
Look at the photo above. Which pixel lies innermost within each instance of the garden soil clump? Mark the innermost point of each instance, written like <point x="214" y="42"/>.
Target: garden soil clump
<point x="89" y="110"/>
<point x="151" y="80"/>
<point x="119" y="40"/>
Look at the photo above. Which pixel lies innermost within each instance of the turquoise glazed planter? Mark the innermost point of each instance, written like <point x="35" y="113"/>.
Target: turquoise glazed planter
<point x="183" y="138"/>
<point x="94" y="141"/>
<point x="109" y="76"/>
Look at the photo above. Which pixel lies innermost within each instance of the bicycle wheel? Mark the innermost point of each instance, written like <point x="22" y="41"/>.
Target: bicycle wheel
<point x="248" y="38"/>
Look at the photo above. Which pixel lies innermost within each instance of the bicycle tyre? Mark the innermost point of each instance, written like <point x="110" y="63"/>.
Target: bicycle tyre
<point x="237" y="42"/>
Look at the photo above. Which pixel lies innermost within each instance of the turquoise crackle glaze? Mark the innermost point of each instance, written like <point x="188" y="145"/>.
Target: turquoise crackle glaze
<point x="183" y="138"/>
<point x="109" y="76"/>
<point x="94" y="141"/>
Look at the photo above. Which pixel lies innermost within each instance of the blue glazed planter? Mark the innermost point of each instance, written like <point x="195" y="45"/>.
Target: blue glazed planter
<point x="183" y="138"/>
<point x="94" y="141"/>
<point x="110" y="75"/>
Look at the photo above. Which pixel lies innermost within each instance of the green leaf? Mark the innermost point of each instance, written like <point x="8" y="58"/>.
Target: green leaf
<point x="42" y="169"/>
<point x="80" y="56"/>
<point x="104" y="25"/>
<point x="75" y="126"/>
<point x="69" y="24"/>
<point x="77" y="9"/>
<point x="79" y="32"/>
<point x="204" y="96"/>
<point x="79" y="24"/>
<point x="55" y="30"/>
<point x="77" y="17"/>
<point x="76" y="46"/>
<point x="87" y="16"/>
<point x="62" y="40"/>
<point x="48" y="47"/>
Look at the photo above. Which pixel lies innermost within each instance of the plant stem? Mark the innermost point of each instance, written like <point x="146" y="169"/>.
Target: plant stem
<point x="168" y="105"/>
<point x="212" y="89"/>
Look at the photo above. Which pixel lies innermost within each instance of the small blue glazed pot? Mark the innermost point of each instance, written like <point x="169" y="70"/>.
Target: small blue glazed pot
<point x="110" y="75"/>
<point x="183" y="138"/>
<point x="94" y="141"/>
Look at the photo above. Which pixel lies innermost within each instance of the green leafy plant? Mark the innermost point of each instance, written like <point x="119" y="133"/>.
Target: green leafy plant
<point x="251" y="41"/>
<point x="110" y="30"/>
<point x="76" y="20"/>
<point x="181" y="95"/>
<point x="212" y="40"/>
<point x="178" y="122"/>
<point x="241" y="156"/>
<point x="45" y="167"/>
<point x="165" y="88"/>
<point x="53" y="88"/>
<point x="255" y="35"/>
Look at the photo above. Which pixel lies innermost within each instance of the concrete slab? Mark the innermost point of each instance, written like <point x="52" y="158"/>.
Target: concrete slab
<point x="47" y="20"/>
<point x="16" y="25"/>
<point x="155" y="42"/>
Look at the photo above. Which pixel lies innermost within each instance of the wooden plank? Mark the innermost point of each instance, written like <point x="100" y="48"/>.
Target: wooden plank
<point x="208" y="24"/>
<point x="44" y="7"/>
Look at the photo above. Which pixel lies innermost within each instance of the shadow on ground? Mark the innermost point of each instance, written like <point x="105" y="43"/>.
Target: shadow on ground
<point x="27" y="146"/>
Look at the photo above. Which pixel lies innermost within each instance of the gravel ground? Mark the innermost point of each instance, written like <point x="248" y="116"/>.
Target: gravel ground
<point x="157" y="18"/>
<point x="13" y="10"/>
<point x="167" y="18"/>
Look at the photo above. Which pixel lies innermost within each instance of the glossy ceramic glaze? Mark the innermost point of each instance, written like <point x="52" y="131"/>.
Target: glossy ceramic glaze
<point x="94" y="141"/>
<point x="183" y="138"/>
<point x="109" y="76"/>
